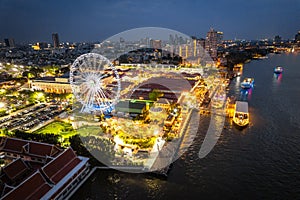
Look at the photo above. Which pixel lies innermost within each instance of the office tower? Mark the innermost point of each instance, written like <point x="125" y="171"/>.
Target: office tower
<point x="155" y="44"/>
<point x="55" y="40"/>
<point x="219" y="37"/>
<point x="201" y="42"/>
<point x="211" y="43"/>
<point x="171" y="39"/>
<point x="277" y="39"/>
<point x="9" y="42"/>
<point x="6" y="41"/>
<point x="42" y="45"/>
<point x="297" y="37"/>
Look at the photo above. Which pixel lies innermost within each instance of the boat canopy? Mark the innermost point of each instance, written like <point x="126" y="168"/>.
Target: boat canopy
<point x="241" y="106"/>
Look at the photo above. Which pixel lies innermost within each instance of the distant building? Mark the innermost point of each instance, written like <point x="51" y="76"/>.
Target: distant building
<point x="277" y="39"/>
<point x="40" y="46"/>
<point x="211" y="43"/>
<point x="6" y="42"/>
<point x="145" y="41"/>
<point x="201" y="42"/>
<point x="171" y="40"/>
<point x="219" y="37"/>
<point x="155" y="44"/>
<point x="43" y="45"/>
<point x="297" y="37"/>
<point x="55" y="40"/>
<point x="9" y="42"/>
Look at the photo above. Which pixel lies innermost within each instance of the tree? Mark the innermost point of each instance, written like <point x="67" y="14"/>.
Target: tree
<point x="50" y="138"/>
<point x="37" y="96"/>
<point x="96" y="148"/>
<point x="155" y="94"/>
<point x="35" y="71"/>
<point x="5" y="131"/>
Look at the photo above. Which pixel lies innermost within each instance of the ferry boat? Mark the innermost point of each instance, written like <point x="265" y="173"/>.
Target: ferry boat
<point x="247" y="83"/>
<point x="241" y="114"/>
<point x="278" y="70"/>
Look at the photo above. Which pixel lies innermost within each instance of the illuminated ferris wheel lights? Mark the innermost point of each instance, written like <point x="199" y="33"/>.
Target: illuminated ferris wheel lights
<point x="87" y="76"/>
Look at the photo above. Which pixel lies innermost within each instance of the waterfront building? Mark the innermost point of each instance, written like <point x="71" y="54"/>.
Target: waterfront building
<point x="14" y="172"/>
<point x="171" y="88"/>
<point x="27" y="150"/>
<point x="54" y="178"/>
<point x="35" y="187"/>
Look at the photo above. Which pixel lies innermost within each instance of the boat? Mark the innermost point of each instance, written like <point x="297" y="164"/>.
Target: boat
<point x="247" y="83"/>
<point x="241" y="114"/>
<point x="278" y="70"/>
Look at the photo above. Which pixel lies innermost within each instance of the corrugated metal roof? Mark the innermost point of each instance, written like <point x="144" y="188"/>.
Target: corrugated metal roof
<point x="241" y="106"/>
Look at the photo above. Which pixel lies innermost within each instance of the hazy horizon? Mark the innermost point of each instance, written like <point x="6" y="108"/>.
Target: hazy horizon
<point x="94" y="20"/>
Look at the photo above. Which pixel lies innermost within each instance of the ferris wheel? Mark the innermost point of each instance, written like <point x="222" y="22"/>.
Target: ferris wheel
<point x="95" y="82"/>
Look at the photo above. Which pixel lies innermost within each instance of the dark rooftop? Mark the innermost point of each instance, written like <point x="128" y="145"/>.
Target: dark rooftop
<point x="15" y="169"/>
<point x="34" y="187"/>
<point x="28" y="147"/>
<point x="58" y="168"/>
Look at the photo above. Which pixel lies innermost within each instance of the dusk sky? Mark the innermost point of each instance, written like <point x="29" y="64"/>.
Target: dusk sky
<point x="96" y="20"/>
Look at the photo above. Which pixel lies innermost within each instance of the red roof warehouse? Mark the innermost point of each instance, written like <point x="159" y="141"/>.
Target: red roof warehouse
<point x="59" y="173"/>
<point x="28" y="150"/>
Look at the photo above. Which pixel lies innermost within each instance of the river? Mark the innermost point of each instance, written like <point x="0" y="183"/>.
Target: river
<point x="261" y="161"/>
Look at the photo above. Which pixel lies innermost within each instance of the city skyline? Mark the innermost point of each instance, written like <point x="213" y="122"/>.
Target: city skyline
<point x="148" y="100"/>
<point x="35" y="21"/>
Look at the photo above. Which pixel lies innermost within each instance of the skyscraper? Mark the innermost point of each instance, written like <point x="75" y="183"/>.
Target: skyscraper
<point x="211" y="43"/>
<point x="201" y="42"/>
<point x="297" y="37"/>
<point x="55" y="40"/>
<point x="277" y="40"/>
<point x="219" y="37"/>
<point x="9" y="42"/>
<point x="155" y="44"/>
<point x="6" y="41"/>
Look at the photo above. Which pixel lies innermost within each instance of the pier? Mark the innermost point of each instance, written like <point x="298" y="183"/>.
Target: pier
<point x="166" y="156"/>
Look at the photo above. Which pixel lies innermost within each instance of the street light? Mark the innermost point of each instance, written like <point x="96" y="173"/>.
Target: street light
<point x="2" y="105"/>
<point x="39" y="96"/>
